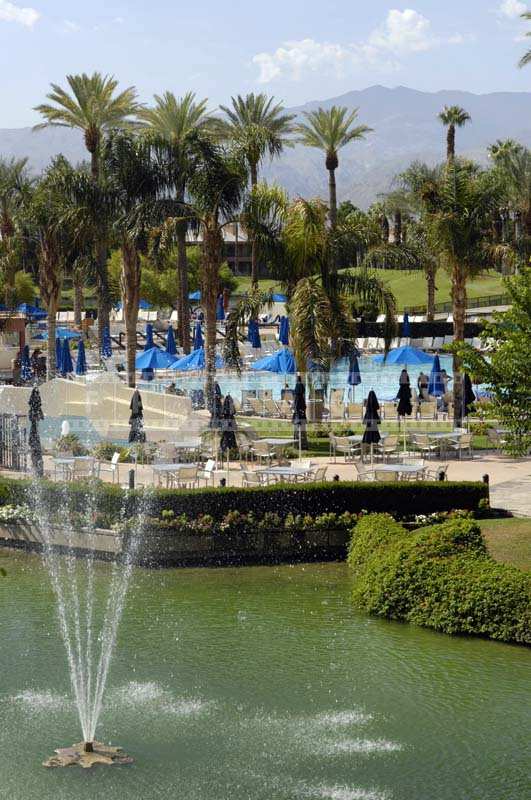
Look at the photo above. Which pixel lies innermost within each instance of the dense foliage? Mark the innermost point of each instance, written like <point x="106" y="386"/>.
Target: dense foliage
<point x="441" y="577"/>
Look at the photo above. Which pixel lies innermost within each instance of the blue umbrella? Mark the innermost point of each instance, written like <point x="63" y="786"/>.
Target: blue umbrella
<point x="154" y="358"/>
<point x="58" y="354"/>
<point x="142" y="304"/>
<point x="31" y="311"/>
<point x="194" y="361"/>
<point x="60" y="333"/>
<point x="406" y="327"/>
<point x="253" y="334"/>
<point x="195" y="296"/>
<point x="149" y="337"/>
<point x="67" y="365"/>
<point x="81" y="361"/>
<point x="354" y="375"/>
<point x="220" y="309"/>
<point x="281" y="362"/>
<point x="436" y="385"/>
<point x="404" y="355"/>
<point x="198" y="336"/>
<point x="279" y="298"/>
<point x="170" y="342"/>
<point x="283" y="333"/>
<point x="26" y="372"/>
<point x="106" y="345"/>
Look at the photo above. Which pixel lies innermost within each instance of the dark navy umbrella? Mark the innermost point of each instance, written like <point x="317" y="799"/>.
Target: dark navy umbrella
<point x="436" y="386"/>
<point x="354" y="375"/>
<point x="371" y="419"/>
<point x="469" y="398"/>
<point x="406" y="327"/>
<point x="81" y="361"/>
<point x="149" y="337"/>
<point x="253" y="334"/>
<point x="35" y="415"/>
<point x="58" y="355"/>
<point x="67" y="366"/>
<point x="136" y="420"/>
<point x="198" y="336"/>
<point x="106" y="345"/>
<point x="170" y="342"/>
<point x="283" y="333"/>
<point x="26" y="372"/>
<point x="220" y="309"/>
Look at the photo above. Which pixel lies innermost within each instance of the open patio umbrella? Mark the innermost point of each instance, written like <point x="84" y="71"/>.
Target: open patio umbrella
<point x="283" y="332"/>
<point x="281" y="362"/>
<point x="195" y="296"/>
<point x="406" y="326"/>
<point x="60" y="333"/>
<point x="106" y="344"/>
<point x="279" y="298"/>
<point x="136" y="420"/>
<point x="371" y="419"/>
<point x="67" y="366"/>
<point x="194" y="361"/>
<point x="33" y="312"/>
<point x="81" y="361"/>
<point x="34" y="440"/>
<point x="26" y="372"/>
<point x="220" y="309"/>
<point x="154" y="358"/>
<point x="253" y="334"/>
<point x="198" y="341"/>
<point x="171" y="347"/>
<point x="436" y="385"/>
<point x="404" y="355"/>
<point x="354" y="375"/>
<point x="58" y="355"/>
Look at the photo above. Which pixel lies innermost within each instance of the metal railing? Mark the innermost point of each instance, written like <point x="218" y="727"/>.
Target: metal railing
<point x="13" y="444"/>
<point x="473" y="302"/>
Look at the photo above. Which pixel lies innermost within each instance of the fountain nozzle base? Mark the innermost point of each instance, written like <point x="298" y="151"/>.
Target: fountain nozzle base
<point x="86" y="755"/>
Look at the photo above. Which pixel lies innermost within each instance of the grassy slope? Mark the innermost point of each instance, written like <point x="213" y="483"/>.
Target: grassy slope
<point x="509" y="540"/>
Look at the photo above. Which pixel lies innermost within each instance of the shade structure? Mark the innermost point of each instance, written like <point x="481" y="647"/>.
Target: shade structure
<point x="198" y="336"/>
<point x="194" y="361"/>
<point x="26" y="372"/>
<point x="81" y="361"/>
<point x="279" y="298"/>
<point x="436" y="386"/>
<point x="281" y="362"/>
<point x="32" y="311"/>
<point x="220" y="309"/>
<point x="253" y="334"/>
<point x="154" y="358"/>
<point x="406" y="327"/>
<point x="195" y="296"/>
<point x="170" y="342"/>
<point x="149" y="337"/>
<point x="283" y="332"/>
<point x="106" y="344"/>
<point x="67" y="366"/>
<point x="58" y="355"/>
<point x="404" y="355"/>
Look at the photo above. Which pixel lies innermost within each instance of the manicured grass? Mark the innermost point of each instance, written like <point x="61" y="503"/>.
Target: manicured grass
<point x="265" y="284"/>
<point x="509" y="541"/>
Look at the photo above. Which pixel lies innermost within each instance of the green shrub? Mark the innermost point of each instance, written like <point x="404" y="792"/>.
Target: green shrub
<point x="441" y="577"/>
<point x="70" y="444"/>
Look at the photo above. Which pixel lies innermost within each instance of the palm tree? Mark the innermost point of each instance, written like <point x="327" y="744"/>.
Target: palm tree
<point x="453" y="117"/>
<point x="330" y="130"/>
<point x="257" y="127"/>
<point x="94" y="107"/>
<point x="513" y="169"/>
<point x="15" y="188"/>
<point x="174" y="122"/>
<point x="526" y="58"/>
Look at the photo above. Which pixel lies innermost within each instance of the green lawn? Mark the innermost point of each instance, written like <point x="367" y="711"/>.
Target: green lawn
<point x="509" y="540"/>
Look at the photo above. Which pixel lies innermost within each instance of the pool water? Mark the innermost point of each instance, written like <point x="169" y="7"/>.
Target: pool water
<point x="261" y="684"/>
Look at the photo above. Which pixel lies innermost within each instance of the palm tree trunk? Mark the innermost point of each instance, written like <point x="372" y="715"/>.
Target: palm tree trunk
<point x="102" y="292"/>
<point x="130" y="280"/>
<point x="254" y="246"/>
<point x="450" y="143"/>
<point x="459" y="301"/>
<point x="332" y="194"/>
<point x="78" y="297"/>
<point x="183" y="305"/>
<point x="51" y="366"/>
<point x="397" y="227"/>
<point x="212" y="250"/>
<point x="430" y="285"/>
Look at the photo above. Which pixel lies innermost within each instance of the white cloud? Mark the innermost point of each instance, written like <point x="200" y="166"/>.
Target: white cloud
<point x="71" y="27"/>
<point x="402" y="33"/>
<point x="9" y="12"/>
<point x="512" y="9"/>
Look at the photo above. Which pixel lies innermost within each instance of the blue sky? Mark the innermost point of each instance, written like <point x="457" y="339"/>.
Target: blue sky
<point x="298" y="50"/>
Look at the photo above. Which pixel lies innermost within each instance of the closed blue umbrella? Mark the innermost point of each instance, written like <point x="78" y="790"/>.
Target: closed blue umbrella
<point x="31" y="311"/>
<point x="26" y="372"/>
<point x="404" y="355"/>
<point x="253" y="334"/>
<point x="154" y="358"/>
<point x="194" y="361"/>
<point x="279" y="298"/>
<point x="106" y="345"/>
<point x="195" y="296"/>
<point x="58" y="355"/>
<point x="283" y="333"/>
<point x="406" y="327"/>
<point x="67" y="366"/>
<point x="149" y="337"/>
<point x="354" y="375"/>
<point x="436" y="385"/>
<point x="281" y="362"/>
<point x="81" y="361"/>
<point x="198" y="336"/>
<point x="220" y="310"/>
<point x="170" y="342"/>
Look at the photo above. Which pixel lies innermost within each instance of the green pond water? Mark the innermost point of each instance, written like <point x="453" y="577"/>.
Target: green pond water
<point x="261" y="684"/>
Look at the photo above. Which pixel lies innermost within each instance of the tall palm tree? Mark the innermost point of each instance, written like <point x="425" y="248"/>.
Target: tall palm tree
<point x="330" y="130"/>
<point x="94" y="107"/>
<point x="15" y="189"/>
<point x="174" y="122"/>
<point x="257" y="126"/>
<point x="513" y="168"/>
<point x="526" y="58"/>
<point x="453" y="117"/>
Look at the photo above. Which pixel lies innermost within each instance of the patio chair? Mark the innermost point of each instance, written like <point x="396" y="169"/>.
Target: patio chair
<point x="271" y="409"/>
<point x="434" y="474"/>
<point x="495" y="439"/>
<point x="185" y="477"/>
<point x="343" y="446"/>
<point x="245" y="446"/>
<point x="428" y="410"/>
<point x="426" y="446"/>
<point x="263" y="451"/>
<point x="319" y="475"/>
<point x="257" y="406"/>
<point x="389" y="447"/>
<point x="385" y="477"/>
<point x="251" y="478"/>
<point x="285" y="409"/>
<point x="83" y="468"/>
<point x="362" y="473"/>
<point x="111" y="467"/>
<point x="462" y="444"/>
<point x="62" y="471"/>
<point x="207" y="473"/>
<point x="355" y="411"/>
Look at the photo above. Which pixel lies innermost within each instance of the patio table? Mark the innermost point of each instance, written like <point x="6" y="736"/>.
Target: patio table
<point x="290" y="474"/>
<point x="400" y="469"/>
<point x="166" y="469"/>
<point x="67" y="463"/>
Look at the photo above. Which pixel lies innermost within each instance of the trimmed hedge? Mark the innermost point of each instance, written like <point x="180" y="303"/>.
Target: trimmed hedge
<point x="402" y="499"/>
<point x="440" y="577"/>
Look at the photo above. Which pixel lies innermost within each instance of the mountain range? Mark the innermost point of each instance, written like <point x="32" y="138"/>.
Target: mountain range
<point x="405" y="126"/>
